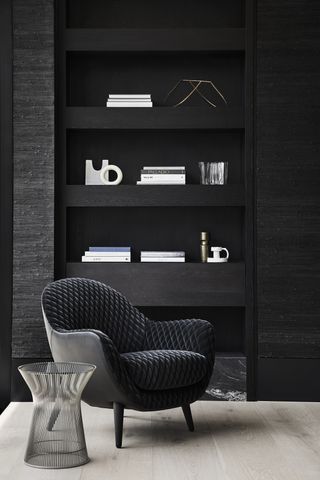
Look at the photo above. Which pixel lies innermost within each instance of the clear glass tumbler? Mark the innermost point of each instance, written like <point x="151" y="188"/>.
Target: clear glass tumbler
<point x="56" y="438"/>
<point x="213" y="173"/>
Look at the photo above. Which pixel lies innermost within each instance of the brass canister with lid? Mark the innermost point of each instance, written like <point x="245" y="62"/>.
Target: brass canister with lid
<point x="204" y="246"/>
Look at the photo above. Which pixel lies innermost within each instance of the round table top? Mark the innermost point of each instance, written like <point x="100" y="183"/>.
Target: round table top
<point x="56" y="368"/>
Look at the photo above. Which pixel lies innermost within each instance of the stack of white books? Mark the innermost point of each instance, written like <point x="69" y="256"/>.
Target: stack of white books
<point x="117" y="100"/>
<point x="163" y="176"/>
<point x="173" y="257"/>
<point x="107" y="254"/>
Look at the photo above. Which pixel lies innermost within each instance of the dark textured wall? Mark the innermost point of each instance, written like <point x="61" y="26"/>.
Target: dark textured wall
<point x="288" y="178"/>
<point x="33" y="109"/>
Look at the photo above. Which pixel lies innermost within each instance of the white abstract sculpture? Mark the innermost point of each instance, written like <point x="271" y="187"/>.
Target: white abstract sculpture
<point x="101" y="176"/>
<point x="104" y="175"/>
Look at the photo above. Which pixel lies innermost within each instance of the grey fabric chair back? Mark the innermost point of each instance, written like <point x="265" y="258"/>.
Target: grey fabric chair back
<point x="77" y="303"/>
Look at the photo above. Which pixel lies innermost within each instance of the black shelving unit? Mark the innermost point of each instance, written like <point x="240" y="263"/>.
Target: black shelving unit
<point x="114" y="48"/>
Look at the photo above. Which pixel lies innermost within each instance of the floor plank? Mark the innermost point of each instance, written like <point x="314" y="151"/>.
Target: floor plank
<point x="180" y="454"/>
<point x="232" y="441"/>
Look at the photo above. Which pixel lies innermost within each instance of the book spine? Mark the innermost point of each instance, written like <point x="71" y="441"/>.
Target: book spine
<point x="109" y="249"/>
<point x="146" y="96"/>
<point x="129" y="104"/>
<point x="166" y="168"/>
<point x="162" y="182"/>
<point x="163" y="254"/>
<point x="170" y="177"/>
<point x="162" y="172"/>
<point x="106" y="259"/>
<point x="129" y="100"/>
<point x="162" y="260"/>
<point x="106" y="254"/>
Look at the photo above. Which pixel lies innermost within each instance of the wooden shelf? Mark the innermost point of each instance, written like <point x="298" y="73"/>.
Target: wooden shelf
<point x="166" y="284"/>
<point x="180" y="118"/>
<point x="154" y="196"/>
<point x="156" y="40"/>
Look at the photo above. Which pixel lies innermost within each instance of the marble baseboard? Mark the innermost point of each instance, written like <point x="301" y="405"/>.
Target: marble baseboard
<point x="228" y="381"/>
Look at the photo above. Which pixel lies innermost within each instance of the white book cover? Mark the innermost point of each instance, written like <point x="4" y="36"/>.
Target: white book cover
<point x="162" y="172"/>
<point x="104" y="259"/>
<point x="129" y="100"/>
<point x="129" y="96"/>
<point x="163" y="259"/>
<point x="162" y="254"/>
<point x="129" y="104"/>
<point x="106" y="254"/>
<point x="164" y="168"/>
<point x="124" y="250"/>
<point x="163" y="176"/>
<point x="161" y="182"/>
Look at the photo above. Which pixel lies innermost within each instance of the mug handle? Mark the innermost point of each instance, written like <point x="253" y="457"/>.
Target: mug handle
<point x="106" y="169"/>
<point x="227" y="251"/>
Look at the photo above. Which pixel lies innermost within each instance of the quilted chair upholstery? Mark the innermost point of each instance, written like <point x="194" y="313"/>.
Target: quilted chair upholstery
<point x="141" y="364"/>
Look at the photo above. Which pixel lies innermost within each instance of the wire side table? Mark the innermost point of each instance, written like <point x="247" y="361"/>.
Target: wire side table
<point x="56" y="437"/>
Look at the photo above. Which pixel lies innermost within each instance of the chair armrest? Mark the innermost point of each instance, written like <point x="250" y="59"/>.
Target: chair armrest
<point x="95" y="347"/>
<point x="192" y="334"/>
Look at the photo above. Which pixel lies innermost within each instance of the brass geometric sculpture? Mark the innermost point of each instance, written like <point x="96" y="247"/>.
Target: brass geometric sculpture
<point x="195" y="89"/>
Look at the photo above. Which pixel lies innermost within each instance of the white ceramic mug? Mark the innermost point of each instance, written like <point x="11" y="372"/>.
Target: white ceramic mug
<point x="216" y="255"/>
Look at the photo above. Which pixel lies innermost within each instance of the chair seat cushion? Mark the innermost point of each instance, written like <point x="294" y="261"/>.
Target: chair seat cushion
<point x="165" y="369"/>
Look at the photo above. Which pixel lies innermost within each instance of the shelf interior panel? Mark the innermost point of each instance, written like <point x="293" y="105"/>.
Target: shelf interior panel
<point x="91" y="76"/>
<point x="156" y="228"/>
<point x="132" y="150"/>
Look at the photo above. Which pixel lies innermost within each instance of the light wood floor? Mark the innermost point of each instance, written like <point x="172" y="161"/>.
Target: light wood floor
<point x="232" y="441"/>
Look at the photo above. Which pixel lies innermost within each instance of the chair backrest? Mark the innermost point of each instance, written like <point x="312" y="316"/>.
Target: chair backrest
<point x="78" y="303"/>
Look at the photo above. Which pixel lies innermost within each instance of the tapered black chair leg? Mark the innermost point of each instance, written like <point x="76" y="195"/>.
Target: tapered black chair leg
<point x="118" y="409"/>
<point x="188" y="416"/>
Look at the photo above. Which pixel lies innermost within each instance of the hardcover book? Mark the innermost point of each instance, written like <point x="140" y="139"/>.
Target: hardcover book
<point x="146" y="253"/>
<point x="105" y="259"/>
<point x="161" y="168"/>
<point x="129" y="104"/>
<point x="164" y="171"/>
<point x="161" y="182"/>
<point x="107" y="254"/>
<point x="128" y="100"/>
<point x="163" y="259"/>
<point x="163" y="177"/>
<point x="109" y="249"/>
<point x="143" y="96"/>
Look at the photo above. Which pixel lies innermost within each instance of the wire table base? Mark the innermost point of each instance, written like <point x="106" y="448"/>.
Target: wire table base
<point x="56" y="437"/>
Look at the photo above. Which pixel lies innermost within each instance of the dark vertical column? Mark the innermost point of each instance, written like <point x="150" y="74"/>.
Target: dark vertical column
<point x="33" y="247"/>
<point x="61" y="142"/>
<point x="288" y="198"/>
<point x="5" y="198"/>
<point x="249" y="163"/>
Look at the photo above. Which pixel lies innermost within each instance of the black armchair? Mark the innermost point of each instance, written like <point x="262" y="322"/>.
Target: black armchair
<point x="141" y="364"/>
